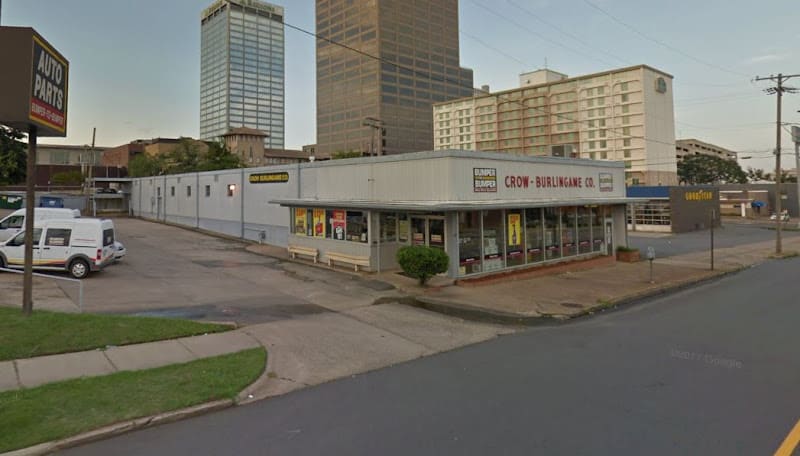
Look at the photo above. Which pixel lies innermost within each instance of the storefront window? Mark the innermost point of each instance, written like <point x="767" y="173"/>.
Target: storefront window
<point x="534" y="235"/>
<point x="515" y="247"/>
<point x="469" y="242"/>
<point x="356" y="226"/>
<point x="569" y="231"/>
<point x="598" y="230"/>
<point x="300" y="221"/>
<point x="493" y="241"/>
<point x="552" y="233"/>
<point x="417" y="231"/>
<point x="436" y="232"/>
<point x="403" y="228"/>
<point x="388" y="222"/>
<point x="584" y="230"/>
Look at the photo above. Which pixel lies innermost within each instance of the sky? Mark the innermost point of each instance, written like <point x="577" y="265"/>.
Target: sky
<point x="135" y="65"/>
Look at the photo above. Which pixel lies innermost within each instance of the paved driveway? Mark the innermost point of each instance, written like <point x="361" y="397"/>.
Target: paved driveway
<point x="170" y="271"/>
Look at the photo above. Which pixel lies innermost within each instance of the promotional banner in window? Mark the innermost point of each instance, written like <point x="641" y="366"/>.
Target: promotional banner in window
<point x="514" y="229"/>
<point x="338" y="225"/>
<point x="319" y="223"/>
<point x="300" y="221"/>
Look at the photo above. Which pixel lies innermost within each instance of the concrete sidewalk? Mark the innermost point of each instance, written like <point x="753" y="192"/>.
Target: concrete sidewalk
<point x="575" y="290"/>
<point x="31" y="372"/>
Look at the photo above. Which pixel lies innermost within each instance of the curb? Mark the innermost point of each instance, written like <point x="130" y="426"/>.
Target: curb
<point x="472" y="313"/>
<point x="121" y="428"/>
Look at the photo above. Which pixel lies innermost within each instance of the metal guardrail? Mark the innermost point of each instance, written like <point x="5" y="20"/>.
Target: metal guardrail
<point x="47" y="276"/>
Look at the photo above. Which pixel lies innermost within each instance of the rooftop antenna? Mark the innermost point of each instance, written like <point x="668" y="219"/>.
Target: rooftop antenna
<point x="545" y="63"/>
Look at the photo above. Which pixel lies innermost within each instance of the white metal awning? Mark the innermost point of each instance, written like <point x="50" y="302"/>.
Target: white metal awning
<point x="436" y="206"/>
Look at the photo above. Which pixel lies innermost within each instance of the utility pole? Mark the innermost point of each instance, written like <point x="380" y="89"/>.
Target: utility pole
<point x="778" y="90"/>
<point x="796" y="138"/>
<point x="377" y="127"/>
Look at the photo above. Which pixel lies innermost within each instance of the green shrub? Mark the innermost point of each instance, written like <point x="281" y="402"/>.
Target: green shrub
<point x="422" y="262"/>
<point x="624" y="248"/>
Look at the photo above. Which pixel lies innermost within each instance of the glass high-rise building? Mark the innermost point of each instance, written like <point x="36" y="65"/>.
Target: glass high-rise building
<point x="242" y="69"/>
<point x="357" y="95"/>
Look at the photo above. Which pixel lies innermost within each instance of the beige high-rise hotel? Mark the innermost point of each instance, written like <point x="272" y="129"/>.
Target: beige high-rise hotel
<point x="383" y="105"/>
<point x="625" y="114"/>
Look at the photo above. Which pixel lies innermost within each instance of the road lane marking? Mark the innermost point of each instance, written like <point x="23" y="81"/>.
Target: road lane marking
<point x="790" y="443"/>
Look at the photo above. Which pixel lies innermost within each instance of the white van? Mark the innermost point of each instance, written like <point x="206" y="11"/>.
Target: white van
<point x="15" y="222"/>
<point x="77" y="246"/>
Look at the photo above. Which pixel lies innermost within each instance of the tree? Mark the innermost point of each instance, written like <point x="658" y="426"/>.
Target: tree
<point x="185" y="158"/>
<point x="760" y="175"/>
<point x="422" y="262"/>
<point x="68" y="178"/>
<point x="707" y="169"/>
<point x="13" y="157"/>
<point x="757" y="174"/>
<point x="144" y="165"/>
<point x="340" y="154"/>
<point x="218" y="157"/>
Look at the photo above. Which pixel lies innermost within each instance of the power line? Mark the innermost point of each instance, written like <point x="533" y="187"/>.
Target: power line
<point x="445" y="79"/>
<point x="488" y="46"/>
<point x="541" y="36"/>
<point x="661" y="43"/>
<point x="569" y="34"/>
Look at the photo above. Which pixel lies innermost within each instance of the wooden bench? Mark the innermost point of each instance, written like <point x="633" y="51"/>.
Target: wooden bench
<point x="356" y="261"/>
<point x="295" y="250"/>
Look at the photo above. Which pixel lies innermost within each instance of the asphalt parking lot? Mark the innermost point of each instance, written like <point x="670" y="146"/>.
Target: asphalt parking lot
<point x="175" y="272"/>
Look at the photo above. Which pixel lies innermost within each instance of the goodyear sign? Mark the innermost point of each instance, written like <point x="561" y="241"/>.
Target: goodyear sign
<point x="699" y="195"/>
<point x="269" y="178"/>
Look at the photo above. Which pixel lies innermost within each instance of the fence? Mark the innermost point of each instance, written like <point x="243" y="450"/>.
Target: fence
<point x="47" y="276"/>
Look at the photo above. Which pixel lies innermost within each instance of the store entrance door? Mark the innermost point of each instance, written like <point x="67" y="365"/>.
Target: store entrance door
<point x="428" y="231"/>
<point x="609" y="239"/>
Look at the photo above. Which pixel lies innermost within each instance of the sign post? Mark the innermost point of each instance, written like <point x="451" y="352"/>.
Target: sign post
<point x="33" y="87"/>
<point x="651" y="255"/>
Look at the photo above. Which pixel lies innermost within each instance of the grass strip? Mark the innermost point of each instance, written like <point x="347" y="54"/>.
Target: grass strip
<point x="59" y="410"/>
<point x="48" y="333"/>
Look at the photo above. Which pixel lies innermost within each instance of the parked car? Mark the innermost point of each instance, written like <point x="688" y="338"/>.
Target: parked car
<point x="784" y="216"/>
<point x="15" y="222"/>
<point x="78" y="246"/>
<point x="119" y="251"/>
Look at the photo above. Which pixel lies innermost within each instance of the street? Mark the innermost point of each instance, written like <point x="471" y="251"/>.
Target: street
<point x="731" y="234"/>
<point x="710" y="371"/>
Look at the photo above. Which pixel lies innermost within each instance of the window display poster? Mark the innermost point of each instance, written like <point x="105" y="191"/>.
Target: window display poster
<point x="403" y="227"/>
<point x="338" y="225"/>
<point x="319" y="223"/>
<point x="514" y="229"/>
<point x="300" y="221"/>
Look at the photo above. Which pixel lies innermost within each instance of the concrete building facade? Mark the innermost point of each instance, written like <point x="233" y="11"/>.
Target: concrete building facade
<point x="487" y="212"/>
<point x="242" y="69"/>
<point x="625" y="114"/>
<point x="691" y="146"/>
<point x="56" y="154"/>
<point x="414" y="63"/>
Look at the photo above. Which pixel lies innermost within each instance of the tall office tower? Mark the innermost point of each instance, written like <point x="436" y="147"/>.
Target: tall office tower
<point x="377" y="107"/>
<point x="241" y="69"/>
